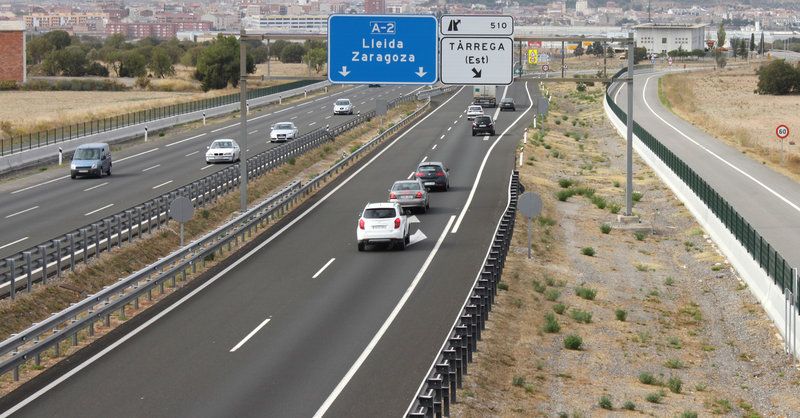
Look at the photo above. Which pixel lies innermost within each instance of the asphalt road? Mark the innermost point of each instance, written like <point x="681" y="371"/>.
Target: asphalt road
<point x="769" y="201"/>
<point x="304" y="324"/>
<point x="46" y="205"/>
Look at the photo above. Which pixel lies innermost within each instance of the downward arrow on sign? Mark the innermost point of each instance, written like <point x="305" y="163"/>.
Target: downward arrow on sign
<point x="421" y="72"/>
<point x="476" y="72"/>
<point x="344" y="71"/>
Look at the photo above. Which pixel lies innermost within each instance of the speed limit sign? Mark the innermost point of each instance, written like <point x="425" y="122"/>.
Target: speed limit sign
<point x="545" y="68"/>
<point x="782" y="131"/>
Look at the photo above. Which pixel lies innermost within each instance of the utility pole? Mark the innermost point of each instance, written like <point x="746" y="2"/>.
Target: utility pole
<point x="629" y="158"/>
<point x="243" y="122"/>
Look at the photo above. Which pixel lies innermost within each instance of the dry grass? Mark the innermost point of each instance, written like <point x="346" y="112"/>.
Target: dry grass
<point x="121" y="262"/>
<point x="280" y="69"/>
<point x="723" y="104"/>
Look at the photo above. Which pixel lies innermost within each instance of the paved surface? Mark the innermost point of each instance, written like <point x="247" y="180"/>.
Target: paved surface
<point x="769" y="201"/>
<point x="331" y="330"/>
<point x="43" y="206"/>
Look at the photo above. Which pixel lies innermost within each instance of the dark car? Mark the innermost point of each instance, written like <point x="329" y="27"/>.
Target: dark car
<point x="483" y="125"/>
<point x="434" y="174"/>
<point x="507" y="104"/>
<point x="374" y="85"/>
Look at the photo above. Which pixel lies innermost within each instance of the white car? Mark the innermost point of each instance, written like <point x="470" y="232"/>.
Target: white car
<point x="473" y="111"/>
<point x="223" y="150"/>
<point x="382" y="223"/>
<point x="343" y="107"/>
<point x="283" y="131"/>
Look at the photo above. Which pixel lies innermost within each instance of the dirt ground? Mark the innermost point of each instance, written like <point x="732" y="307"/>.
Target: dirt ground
<point x="667" y="328"/>
<point x="714" y="101"/>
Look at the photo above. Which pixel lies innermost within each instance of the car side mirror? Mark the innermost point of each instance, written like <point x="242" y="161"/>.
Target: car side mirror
<point x="447" y="169"/>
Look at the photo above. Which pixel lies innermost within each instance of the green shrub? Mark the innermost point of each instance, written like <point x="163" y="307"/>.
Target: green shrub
<point x="674" y="363"/>
<point x="563" y="195"/>
<point x="621" y="314"/>
<point x="674" y="384"/>
<point x="630" y="406"/>
<point x="600" y="202"/>
<point x="573" y="342"/>
<point x="654" y="397"/>
<point x="588" y="251"/>
<point x="552" y="295"/>
<point x="616" y="183"/>
<point x="545" y="221"/>
<point x="518" y="381"/>
<point x="559" y="308"/>
<point x="648" y="379"/>
<point x="587" y="192"/>
<point x="538" y="287"/>
<point x="638" y="235"/>
<point x="565" y="183"/>
<point x="292" y="161"/>
<point x="502" y="286"/>
<point x="558" y="122"/>
<point x="586" y="292"/>
<point x="605" y="403"/>
<point x="551" y="325"/>
<point x="636" y="196"/>
<point x="614" y="208"/>
<point x="669" y="281"/>
<point x="689" y="414"/>
<point x="581" y="316"/>
<point x="205" y="213"/>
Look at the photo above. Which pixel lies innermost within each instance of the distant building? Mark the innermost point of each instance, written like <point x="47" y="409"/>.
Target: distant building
<point x="374" y="6"/>
<point x="288" y="23"/>
<point x="12" y="51"/>
<point x="660" y="39"/>
<point x="582" y="7"/>
<point x="155" y="30"/>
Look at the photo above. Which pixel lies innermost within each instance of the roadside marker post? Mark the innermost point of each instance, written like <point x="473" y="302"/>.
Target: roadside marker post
<point x="145" y="134"/>
<point x="60" y="155"/>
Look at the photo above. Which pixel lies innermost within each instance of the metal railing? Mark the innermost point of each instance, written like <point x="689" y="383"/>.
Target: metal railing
<point x="439" y="388"/>
<point x="66" y="325"/>
<point x="77" y="130"/>
<point x="769" y="259"/>
<point x="52" y="257"/>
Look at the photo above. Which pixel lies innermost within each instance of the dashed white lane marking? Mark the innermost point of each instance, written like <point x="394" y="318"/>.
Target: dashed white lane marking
<point x="410" y="176"/>
<point x="13" y="242"/>
<point x="250" y="133"/>
<point x="434" y="146"/>
<point x="328" y="117"/>
<point x="448" y="129"/>
<point x="251" y="334"/>
<point x="423" y="159"/>
<point x="98" y="210"/>
<point x="312" y="123"/>
<point x="486" y="138"/>
<point x="136" y="155"/>
<point x="95" y="187"/>
<point x="455" y="121"/>
<point x="207" y="166"/>
<point x="162" y="184"/>
<point x="441" y="137"/>
<point x="150" y="168"/>
<point x="40" y="184"/>
<point x="21" y="212"/>
<point x="184" y="140"/>
<point x="293" y="118"/>
<point x="191" y="153"/>
<point x="323" y="268"/>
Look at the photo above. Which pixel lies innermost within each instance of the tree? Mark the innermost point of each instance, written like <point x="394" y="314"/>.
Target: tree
<point x="97" y="69"/>
<point x="132" y="64"/>
<point x="721" y="35"/>
<point x="58" y="38"/>
<point x="316" y="58"/>
<point x="752" y="42"/>
<point x="218" y="64"/>
<point x="597" y="48"/>
<point x="578" y="50"/>
<point x="761" y="45"/>
<point x="115" y="41"/>
<point x="734" y="47"/>
<point x="70" y="61"/>
<point x="161" y="63"/>
<point x="610" y="52"/>
<point x="189" y="58"/>
<point x="38" y="48"/>
<point x="293" y="53"/>
<point x="743" y="51"/>
<point x="720" y="59"/>
<point x="276" y="48"/>
<point x="778" y="78"/>
<point x="639" y="54"/>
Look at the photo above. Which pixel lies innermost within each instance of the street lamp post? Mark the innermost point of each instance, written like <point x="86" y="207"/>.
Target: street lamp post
<point x="243" y="121"/>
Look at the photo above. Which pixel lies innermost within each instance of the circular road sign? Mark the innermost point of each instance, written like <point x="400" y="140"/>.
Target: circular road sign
<point x="782" y="131"/>
<point x="181" y="209"/>
<point x="530" y="205"/>
<point x="545" y="68"/>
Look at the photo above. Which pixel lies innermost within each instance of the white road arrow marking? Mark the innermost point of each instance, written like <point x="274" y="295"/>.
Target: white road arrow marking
<point x="421" y="72"/>
<point x="413" y="219"/>
<point x="416" y="237"/>
<point x="344" y="71"/>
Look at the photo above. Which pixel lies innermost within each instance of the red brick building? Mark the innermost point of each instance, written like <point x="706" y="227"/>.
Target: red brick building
<point x="374" y="6"/>
<point x="156" y="30"/>
<point x="12" y="51"/>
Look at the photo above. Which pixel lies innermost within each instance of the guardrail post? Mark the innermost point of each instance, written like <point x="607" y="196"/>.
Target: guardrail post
<point x="475" y="323"/>
<point x="84" y="244"/>
<point x="464" y="346"/>
<point x="12" y="286"/>
<point x="443" y="369"/>
<point x="129" y="217"/>
<point x="72" y="251"/>
<point x="435" y="384"/>
<point x="29" y="269"/>
<point x="107" y="224"/>
<point x="58" y="257"/>
<point x="43" y="254"/>
<point x="118" y="222"/>
<point x="96" y="227"/>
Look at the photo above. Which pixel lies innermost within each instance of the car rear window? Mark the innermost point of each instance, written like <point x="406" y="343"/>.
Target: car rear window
<point x="475" y="109"/>
<point x="508" y="100"/>
<point x="483" y="119"/>
<point x="406" y="186"/>
<point x="379" y="213"/>
<point x="430" y="168"/>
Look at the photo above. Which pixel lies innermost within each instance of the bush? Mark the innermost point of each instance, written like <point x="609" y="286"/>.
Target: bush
<point x="551" y="326"/>
<point x="588" y="251"/>
<point x="552" y="295"/>
<point x="8" y="85"/>
<point x="142" y="82"/>
<point x="621" y="315"/>
<point x="636" y="196"/>
<point x="502" y="286"/>
<point x="586" y="292"/>
<point x="74" y="85"/>
<point x="559" y="308"/>
<point x="565" y="183"/>
<point x="630" y="406"/>
<point x="538" y="287"/>
<point x="605" y="228"/>
<point x="581" y="316"/>
<point x="614" y="208"/>
<point x="573" y="342"/>
<point x="689" y="414"/>
<point x="674" y="364"/>
<point x="648" y="378"/>
<point x="605" y="403"/>
<point x="654" y="397"/>
<point x="638" y="235"/>
<point x="97" y="69"/>
<point x="674" y="384"/>
<point x="518" y="381"/>
<point x="563" y="195"/>
<point x="778" y="78"/>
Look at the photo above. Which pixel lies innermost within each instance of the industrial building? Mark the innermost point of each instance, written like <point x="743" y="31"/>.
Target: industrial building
<point x="660" y="39"/>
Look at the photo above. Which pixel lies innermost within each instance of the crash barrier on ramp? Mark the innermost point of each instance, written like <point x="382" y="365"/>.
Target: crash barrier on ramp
<point x="77" y="130"/>
<point x="50" y="258"/>
<point x="440" y="386"/>
<point x="46" y="338"/>
<point x="769" y="259"/>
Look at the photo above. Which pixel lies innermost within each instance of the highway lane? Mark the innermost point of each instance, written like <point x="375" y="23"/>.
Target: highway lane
<point x="268" y="338"/>
<point x="768" y="200"/>
<point x="55" y="204"/>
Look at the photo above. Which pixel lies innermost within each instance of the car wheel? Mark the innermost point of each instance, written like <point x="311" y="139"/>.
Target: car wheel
<point x="361" y="246"/>
<point x="401" y="244"/>
<point x="108" y="173"/>
<point x="72" y="175"/>
<point x="425" y="208"/>
<point x="473" y="133"/>
<point x="407" y="239"/>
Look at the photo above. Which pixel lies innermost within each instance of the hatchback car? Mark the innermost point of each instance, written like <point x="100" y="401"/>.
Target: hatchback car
<point x="434" y="174"/>
<point x="483" y="125"/>
<point x="507" y="103"/>
<point x="409" y="194"/>
<point x="222" y="151"/>
<point x="283" y="131"/>
<point x="343" y="107"/>
<point x="382" y="223"/>
<point x="474" y="111"/>
<point x="91" y="160"/>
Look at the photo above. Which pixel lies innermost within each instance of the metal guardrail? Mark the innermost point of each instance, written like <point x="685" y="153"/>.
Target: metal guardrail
<point x="439" y="388"/>
<point x="30" y="344"/>
<point x="77" y="130"/>
<point x="52" y="257"/>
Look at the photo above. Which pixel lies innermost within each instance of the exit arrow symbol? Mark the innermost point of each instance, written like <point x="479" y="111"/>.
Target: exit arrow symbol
<point x="344" y="71"/>
<point x="476" y="72"/>
<point x="421" y="72"/>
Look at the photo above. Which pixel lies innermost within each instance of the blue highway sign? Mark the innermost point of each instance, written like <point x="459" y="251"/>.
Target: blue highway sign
<point x="383" y="49"/>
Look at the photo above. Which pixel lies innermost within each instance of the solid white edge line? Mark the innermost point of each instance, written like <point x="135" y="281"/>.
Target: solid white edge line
<point x="135" y="155"/>
<point x="323" y="268"/>
<point x="22" y="211"/>
<point x="40" y="184"/>
<point x="207" y="166"/>
<point x="162" y="184"/>
<point x="469" y="293"/>
<point x="98" y="210"/>
<point x="95" y="187"/>
<point x="486" y="158"/>
<point x="14" y="242"/>
<point x="212" y="280"/>
<point x="250" y="335"/>
<point x="497" y="111"/>
<point x="386" y="324"/>
<point x="184" y="140"/>
<point x="715" y="155"/>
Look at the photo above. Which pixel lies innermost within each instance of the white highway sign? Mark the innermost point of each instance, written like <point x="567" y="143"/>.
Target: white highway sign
<point x="476" y="60"/>
<point x="486" y="25"/>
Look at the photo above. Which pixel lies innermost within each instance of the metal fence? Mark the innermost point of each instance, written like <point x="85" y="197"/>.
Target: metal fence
<point x="81" y="317"/>
<point x="762" y="251"/>
<point x="68" y="132"/>
<point x="52" y="257"/>
<point x="445" y="377"/>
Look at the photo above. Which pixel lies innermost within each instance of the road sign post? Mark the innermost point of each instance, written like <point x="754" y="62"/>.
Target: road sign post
<point x="782" y="132"/>
<point x="382" y="49"/>
<point x="182" y="210"/>
<point x="477" y="60"/>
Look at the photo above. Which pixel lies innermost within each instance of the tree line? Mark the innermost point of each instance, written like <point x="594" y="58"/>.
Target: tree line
<point x="216" y="62"/>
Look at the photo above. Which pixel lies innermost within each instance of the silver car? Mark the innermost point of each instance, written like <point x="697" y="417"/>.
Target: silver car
<point x="283" y="131"/>
<point x="223" y="151"/>
<point x="409" y="194"/>
<point x="343" y="107"/>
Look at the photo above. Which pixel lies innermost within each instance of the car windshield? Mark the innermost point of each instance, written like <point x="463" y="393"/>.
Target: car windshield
<point x="379" y="213"/>
<point x="475" y="109"/>
<point x="222" y="144"/>
<point x="87" y="154"/>
<point x="483" y="119"/>
<point x="284" y="126"/>
<point x="342" y="102"/>
<point x="406" y="185"/>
